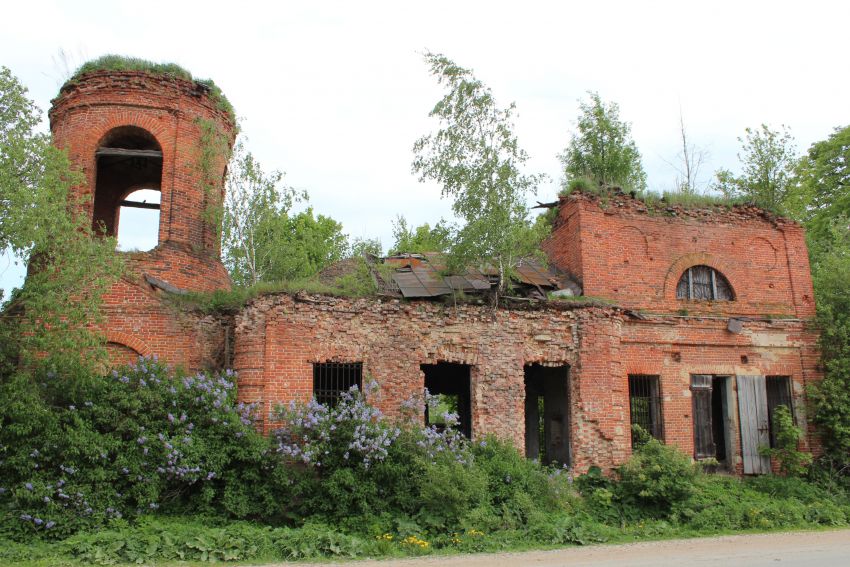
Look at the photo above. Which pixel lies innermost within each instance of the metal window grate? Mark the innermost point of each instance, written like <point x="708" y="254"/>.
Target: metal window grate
<point x="331" y="379"/>
<point x="778" y="394"/>
<point x="645" y="404"/>
<point x="704" y="283"/>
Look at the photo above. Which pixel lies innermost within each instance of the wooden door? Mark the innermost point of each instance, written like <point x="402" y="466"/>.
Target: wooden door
<point x="755" y="431"/>
<point x="701" y="391"/>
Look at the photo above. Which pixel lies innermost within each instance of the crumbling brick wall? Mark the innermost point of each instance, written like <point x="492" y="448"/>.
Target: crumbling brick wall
<point x="624" y="250"/>
<point x="279" y="337"/>
<point x="139" y="321"/>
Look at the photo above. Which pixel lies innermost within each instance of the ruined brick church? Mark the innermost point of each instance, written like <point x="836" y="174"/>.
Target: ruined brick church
<point x="691" y="323"/>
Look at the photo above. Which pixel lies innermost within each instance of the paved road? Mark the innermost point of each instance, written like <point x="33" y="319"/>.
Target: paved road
<point x="798" y="549"/>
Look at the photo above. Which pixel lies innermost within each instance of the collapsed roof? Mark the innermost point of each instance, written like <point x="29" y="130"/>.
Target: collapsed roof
<point x="424" y="275"/>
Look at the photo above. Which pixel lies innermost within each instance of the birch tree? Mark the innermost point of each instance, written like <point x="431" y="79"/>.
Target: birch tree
<point x="252" y="198"/>
<point x="475" y="156"/>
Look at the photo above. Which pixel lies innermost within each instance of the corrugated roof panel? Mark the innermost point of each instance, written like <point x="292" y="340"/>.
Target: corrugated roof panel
<point x="421" y="282"/>
<point x="467" y="283"/>
<point x="532" y="273"/>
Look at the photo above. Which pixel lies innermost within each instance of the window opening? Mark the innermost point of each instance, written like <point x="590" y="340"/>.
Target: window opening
<point x="704" y="283"/>
<point x="138" y="214"/>
<point x="450" y="384"/>
<point x="547" y="424"/>
<point x="645" y="405"/>
<point x="127" y="184"/>
<point x="711" y="416"/>
<point x="332" y="379"/>
<point x="778" y="394"/>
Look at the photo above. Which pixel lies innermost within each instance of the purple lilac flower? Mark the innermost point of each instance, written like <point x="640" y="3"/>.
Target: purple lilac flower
<point x="28" y="486"/>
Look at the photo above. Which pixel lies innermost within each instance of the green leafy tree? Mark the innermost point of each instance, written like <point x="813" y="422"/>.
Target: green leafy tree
<point x="768" y="158"/>
<point x="824" y="182"/>
<point x="830" y="273"/>
<point x="53" y="317"/>
<point x="602" y="148"/>
<point x="262" y="240"/>
<point x="300" y="245"/>
<point x="361" y="246"/>
<point x="422" y="238"/>
<point x="252" y="198"/>
<point x="476" y="157"/>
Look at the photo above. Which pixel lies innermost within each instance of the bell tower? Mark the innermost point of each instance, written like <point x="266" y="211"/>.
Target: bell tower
<point x="153" y="148"/>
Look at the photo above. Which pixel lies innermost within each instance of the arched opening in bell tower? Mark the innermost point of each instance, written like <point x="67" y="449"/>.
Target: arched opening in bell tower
<point x="127" y="188"/>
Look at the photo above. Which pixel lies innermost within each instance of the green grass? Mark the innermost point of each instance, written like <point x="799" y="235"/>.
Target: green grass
<point x="689" y="200"/>
<point x="656" y="201"/>
<point x="239" y="296"/>
<point x="123" y="63"/>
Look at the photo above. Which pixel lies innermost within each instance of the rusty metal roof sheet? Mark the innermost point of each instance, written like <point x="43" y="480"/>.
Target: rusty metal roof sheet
<point x="468" y="283"/>
<point x="422" y="281"/>
<point x="421" y="275"/>
<point x="532" y="273"/>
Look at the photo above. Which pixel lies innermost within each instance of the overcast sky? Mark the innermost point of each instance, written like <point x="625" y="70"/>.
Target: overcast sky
<point x="335" y="93"/>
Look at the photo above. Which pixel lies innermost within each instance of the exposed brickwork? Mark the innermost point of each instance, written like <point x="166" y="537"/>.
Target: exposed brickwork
<point x="619" y="249"/>
<point x="171" y="110"/>
<point x="141" y="321"/>
<point x="279" y="337"/>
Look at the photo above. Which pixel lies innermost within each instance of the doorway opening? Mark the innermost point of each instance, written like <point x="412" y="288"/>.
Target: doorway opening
<point x="547" y="423"/>
<point x="449" y="386"/>
<point x="712" y="421"/>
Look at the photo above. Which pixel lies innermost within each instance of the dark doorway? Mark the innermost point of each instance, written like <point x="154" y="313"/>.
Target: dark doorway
<point x="450" y="386"/>
<point x="547" y="423"/>
<point x="778" y="394"/>
<point x="712" y="422"/>
<point x="718" y="417"/>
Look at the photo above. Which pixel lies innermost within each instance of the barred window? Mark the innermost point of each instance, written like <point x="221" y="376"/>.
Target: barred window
<point x="704" y="283"/>
<point x="645" y="405"/>
<point x="331" y="379"/>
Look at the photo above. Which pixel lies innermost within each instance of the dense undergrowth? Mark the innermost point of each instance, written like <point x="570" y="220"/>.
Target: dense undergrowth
<point x="147" y="464"/>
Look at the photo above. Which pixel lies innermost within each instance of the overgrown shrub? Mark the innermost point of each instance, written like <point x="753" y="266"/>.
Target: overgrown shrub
<point x="792" y="461"/>
<point x="768" y="502"/>
<point x="78" y="451"/>
<point x="656" y="477"/>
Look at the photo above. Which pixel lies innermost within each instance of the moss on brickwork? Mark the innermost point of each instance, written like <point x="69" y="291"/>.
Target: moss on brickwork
<point x="122" y="63"/>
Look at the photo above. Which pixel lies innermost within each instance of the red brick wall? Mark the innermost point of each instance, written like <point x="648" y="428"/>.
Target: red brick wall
<point x="138" y="321"/>
<point x="170" y="110"/>
<point x="674" y="348"/>
<point x="279" y="337"/>
<point x="622" y="251"/>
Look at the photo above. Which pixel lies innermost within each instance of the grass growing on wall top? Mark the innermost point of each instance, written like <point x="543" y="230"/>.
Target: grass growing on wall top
<point x="114" y="62"/>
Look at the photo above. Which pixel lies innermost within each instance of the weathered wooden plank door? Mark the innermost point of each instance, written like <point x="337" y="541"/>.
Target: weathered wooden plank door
<point x="701" y="389"/>
<point x="755" y="431"/>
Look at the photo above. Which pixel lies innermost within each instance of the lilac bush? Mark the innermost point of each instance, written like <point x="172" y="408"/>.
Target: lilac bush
<point x="82" y="451"/>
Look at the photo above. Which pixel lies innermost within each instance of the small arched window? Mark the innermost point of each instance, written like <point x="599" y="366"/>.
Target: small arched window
<point x="704" y="283"/>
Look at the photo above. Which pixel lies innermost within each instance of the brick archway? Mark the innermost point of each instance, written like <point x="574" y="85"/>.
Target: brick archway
<point x="129" y="341"/>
